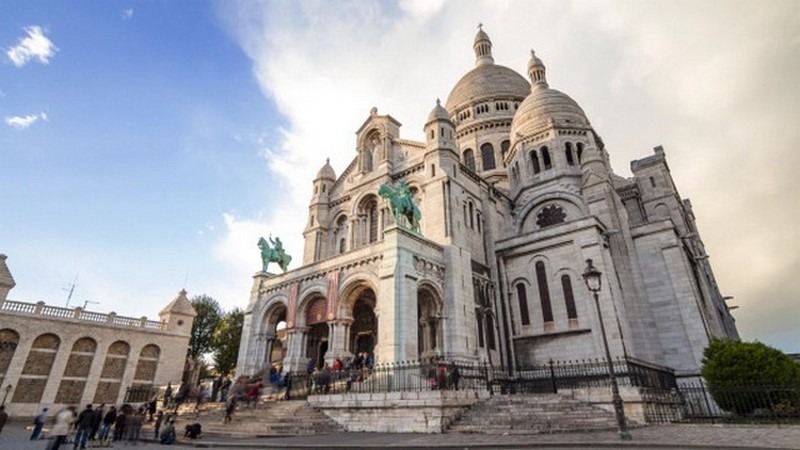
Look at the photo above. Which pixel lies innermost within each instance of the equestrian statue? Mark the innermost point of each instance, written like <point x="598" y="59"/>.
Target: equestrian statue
<point x="401" y="204"/>
<point x="274" y="254"/>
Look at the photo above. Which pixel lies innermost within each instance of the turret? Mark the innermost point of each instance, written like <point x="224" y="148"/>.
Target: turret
<point x="6" y="280"/>
<point x="318" y="213"/>
<point x="179" y="315"/>
<point x="439" y="129"/>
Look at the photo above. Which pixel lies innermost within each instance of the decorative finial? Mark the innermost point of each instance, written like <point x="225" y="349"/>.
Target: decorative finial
<point x="480" y="26"/>
<point x="327" y="160"/>
<point x="438" y="102"/>
<point x="533" y="54"/>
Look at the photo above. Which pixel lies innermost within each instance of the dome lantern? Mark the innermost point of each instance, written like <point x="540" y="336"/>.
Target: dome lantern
<point x="536" y="71"/>
<point x="483" y="48"/>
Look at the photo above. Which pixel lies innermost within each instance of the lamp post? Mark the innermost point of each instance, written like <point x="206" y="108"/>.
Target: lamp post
<point x="5" y="395"/>
<point x="591" y="276"/>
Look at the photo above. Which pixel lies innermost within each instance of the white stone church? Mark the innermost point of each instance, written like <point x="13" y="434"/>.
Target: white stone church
<point x="516" y="192"/>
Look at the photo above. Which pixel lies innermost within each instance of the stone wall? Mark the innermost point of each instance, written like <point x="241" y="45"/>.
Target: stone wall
<point x="396" y="412"/>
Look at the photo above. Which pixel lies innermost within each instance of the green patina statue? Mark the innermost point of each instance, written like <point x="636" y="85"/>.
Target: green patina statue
<point x="274" y="254"/>
<point x="401" y="204"/>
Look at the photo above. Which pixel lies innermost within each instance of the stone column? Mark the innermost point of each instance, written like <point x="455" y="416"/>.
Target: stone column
<point x="56" y="372"/>
<point x="295" y="356"/>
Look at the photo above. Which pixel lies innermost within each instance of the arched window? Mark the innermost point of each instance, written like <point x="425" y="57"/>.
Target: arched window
<point x="367" y="160"/>
<point x="535" y="162"/>
<point x="70" y="390"/>
<point x="569" y="298"/>
<point x="490" y="342"/>
<point x="522" y="296"/>
<point x="580" y="151"/>
<point x="504" y="146"/>
<point x="372" y="218"/>
<point x="544" y="293"/>
<point x="469" y="159"/>
<point x="487" y="157"/>
<point x="568" y="152"/>
<point x="546" y="159"/>
<point x="340" y="234"/>
<point x="36" y="372"/>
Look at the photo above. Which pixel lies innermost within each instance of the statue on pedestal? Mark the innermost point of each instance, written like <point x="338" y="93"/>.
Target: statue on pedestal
<point x="275" y="254"/>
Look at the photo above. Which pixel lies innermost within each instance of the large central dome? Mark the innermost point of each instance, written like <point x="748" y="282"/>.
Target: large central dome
<point x="487" y="80"/>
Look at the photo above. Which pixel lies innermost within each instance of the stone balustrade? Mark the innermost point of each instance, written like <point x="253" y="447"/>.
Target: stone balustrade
<point x="78" y="313"/>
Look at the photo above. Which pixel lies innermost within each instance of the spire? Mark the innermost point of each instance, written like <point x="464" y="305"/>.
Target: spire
<point x="483" y="48"/>
<point x="536" y="71"/>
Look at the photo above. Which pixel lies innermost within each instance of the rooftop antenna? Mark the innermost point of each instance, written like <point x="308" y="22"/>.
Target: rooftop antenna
<point x="86" y="302"/>
<point x="71" y="289"/>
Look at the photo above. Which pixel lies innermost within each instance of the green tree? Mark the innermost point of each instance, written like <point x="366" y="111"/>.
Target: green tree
<point x="208" y="316"/>
<point x="227" y="337"/>
<point x="746" y="376"/>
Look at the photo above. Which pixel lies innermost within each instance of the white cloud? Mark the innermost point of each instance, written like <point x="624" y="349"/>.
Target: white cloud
<point x="715" y="83"/>
<point x="34" y="46"/>
<point x="127" y="14"/>
<point x="23" y="122"/>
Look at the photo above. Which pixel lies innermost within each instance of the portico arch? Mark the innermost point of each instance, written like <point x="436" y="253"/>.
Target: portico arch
<point x="429" y="322"/>
<point x="317" y="332"/>
<point x="273" y="334"/>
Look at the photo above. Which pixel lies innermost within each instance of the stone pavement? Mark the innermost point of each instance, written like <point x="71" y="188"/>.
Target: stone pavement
<point x="14" y="437"/>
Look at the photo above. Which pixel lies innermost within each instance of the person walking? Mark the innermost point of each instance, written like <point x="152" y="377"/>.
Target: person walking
<point x="84" y="426"/>
<point x="38" y="423"/>
<point x="108" y="421"/>
<point x="97" y="420"/>
<point x="159" y="421"/>
<point x="64" y="420"/>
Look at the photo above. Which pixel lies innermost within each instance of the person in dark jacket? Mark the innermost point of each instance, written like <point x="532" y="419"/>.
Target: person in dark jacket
<point x="97" y="420"/>
<point x="84" y="426"/>
<point x="108" y="421"/>
<point x="119" y="426"/>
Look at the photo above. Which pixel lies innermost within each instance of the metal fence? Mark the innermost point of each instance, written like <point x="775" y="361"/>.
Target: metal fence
<point x="665" y="397"/>
<point x="448" y="375"/>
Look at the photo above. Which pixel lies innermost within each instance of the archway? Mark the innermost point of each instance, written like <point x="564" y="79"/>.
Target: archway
<point x="317" y="334"/>
<point x="364" y="329"/>
<point x="429" y="326"/>
<point x="273" y="333"/>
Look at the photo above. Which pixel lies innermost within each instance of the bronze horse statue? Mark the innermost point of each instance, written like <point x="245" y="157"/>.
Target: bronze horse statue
<point x="274" y="254"/>
<point x="401" y="204"/>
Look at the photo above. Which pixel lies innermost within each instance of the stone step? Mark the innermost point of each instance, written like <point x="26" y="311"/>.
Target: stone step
<point x="531" y="413"/>
<point x="273" y="418"/>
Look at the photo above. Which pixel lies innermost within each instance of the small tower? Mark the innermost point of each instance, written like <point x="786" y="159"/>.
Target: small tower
<point x="536" y="72"/>
<point x="318" y="213"/>
<point x="483" y="48"/>
<point x="439" y="129"/>
<point x="179" y="315"/>
<point x="6" y="280"/>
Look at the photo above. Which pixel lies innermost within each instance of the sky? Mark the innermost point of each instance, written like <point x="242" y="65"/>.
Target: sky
<point x="145" y="146"/>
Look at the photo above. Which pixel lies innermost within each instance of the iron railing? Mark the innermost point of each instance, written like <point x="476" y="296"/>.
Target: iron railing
<point x="450" y="375"/>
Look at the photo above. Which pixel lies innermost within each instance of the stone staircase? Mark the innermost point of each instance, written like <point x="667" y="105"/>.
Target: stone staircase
<point x="271" y="418"/>
<point x="532" y="414"/>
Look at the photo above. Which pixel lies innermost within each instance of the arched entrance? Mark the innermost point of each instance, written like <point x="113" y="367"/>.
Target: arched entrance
<point x="429" y="327"/>
<point x="364" y="330"/>
<point x="274" y="336"/>
<point x="317" y="335"/>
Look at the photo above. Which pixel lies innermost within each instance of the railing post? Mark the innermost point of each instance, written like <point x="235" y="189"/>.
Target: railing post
<point x="553" y="376"/>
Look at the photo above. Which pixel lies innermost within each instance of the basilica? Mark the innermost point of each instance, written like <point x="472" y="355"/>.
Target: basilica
<point x="516" y="193"/>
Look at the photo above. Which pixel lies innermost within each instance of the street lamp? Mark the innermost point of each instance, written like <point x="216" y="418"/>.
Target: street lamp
<point x="591" y="276"/>
<point x="5" y="396"/>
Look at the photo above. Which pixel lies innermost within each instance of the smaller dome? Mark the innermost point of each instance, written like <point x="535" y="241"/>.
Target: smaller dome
<point x="438" y="113"/>
<point x="543" y="107"/>
<point x="326" y="172"/>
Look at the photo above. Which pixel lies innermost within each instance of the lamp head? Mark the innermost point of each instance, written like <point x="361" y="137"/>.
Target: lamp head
<point x="591" y="276"/>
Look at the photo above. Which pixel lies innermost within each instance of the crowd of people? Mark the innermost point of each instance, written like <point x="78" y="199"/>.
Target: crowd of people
<point x="101" y="427"/>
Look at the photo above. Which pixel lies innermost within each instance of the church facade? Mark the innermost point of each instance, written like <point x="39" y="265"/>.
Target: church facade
<point x="516" y="193"/>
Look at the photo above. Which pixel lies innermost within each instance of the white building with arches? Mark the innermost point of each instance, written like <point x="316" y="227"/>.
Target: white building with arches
<point x="55" y="357"/>
<point x="516" y="192"/>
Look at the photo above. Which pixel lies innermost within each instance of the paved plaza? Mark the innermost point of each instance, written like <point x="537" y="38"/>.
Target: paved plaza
<point x="15" y="436"/>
